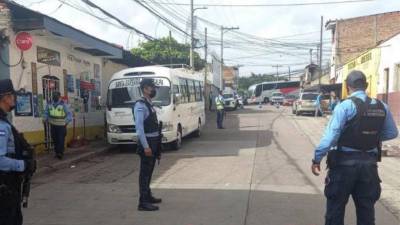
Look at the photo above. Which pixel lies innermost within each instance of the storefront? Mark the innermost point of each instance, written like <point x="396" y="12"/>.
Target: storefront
<point x="368" y="63"/>
<point x="44" y="55"/>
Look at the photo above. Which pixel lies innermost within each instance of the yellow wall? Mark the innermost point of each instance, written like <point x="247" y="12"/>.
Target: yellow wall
<point x="36" y="137"/>
<point x="368" y="63"/>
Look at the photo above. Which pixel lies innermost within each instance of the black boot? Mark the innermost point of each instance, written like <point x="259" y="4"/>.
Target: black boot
<point x="147" y="207"/>
<point x="154" y="200"/>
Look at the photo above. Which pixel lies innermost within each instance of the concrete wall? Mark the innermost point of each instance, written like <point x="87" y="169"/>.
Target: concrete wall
<point x="356" y="35"/>
<point x="109" y="68"/>
<point x="390" y="65"/>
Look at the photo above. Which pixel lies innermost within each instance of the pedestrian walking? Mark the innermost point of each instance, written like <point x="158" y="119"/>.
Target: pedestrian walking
<point x="59" y="116"/>
<point x="147" y="129"/>
<point x="318" y="106"/>
<point x="13" y="164"/>
<point x="352" y="140"/>
<point x="219" y="103"/>
<point x="333" y="101"/>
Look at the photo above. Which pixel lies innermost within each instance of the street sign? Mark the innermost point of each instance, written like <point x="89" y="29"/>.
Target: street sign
<point x="23" y="40"/>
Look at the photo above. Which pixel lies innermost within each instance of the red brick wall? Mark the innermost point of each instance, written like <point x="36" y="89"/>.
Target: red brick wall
<point x="359" y="34"/>
<point x="394" y="104"/>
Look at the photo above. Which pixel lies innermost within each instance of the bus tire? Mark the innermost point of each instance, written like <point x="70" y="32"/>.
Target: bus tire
<point x="197" y="133"/>
<point x="177" y="144"/>
<point x="266" y="100"/>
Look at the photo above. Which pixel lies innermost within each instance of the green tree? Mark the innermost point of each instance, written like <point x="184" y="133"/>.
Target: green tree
<point x="167" y="51"/>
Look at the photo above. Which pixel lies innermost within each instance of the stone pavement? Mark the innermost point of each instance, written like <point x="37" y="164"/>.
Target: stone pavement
<point x="313" y="128"/>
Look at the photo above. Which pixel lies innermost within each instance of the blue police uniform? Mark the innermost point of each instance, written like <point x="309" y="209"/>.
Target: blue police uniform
<point x="354" y="171"/>
<point x="148" y="137"/>
<point x="16" y="165"/>
<point x="58" y="125"/>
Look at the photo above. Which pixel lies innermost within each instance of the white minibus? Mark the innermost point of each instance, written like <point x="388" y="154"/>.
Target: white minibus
<point x="179" y="103"/>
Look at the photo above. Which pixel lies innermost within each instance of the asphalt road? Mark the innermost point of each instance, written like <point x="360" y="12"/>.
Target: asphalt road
<point x="254" y="172"/>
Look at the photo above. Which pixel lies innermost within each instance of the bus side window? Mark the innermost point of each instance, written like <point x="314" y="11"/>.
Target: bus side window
<point x="176" y="93"/>
<point x="258" y="90"/>
<point x="192" y="93"/>
<point x="201" y="90"/>
<point x="183" y="90"/>
<point x="198" y="91"/>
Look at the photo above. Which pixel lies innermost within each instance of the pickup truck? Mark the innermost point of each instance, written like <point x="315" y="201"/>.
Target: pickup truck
<point x="277" y="98"/>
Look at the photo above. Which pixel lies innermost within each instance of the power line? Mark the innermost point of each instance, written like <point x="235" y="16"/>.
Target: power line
<point x="266" y="5"/>
<point x="91" y="4"/>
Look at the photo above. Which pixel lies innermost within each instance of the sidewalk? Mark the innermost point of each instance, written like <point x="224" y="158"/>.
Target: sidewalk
<point x="48" y="163"/>
<point x="389" y="169"/>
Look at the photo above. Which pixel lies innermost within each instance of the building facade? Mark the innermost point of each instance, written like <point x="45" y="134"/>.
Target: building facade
<point x="60" y="58"/>
<point x="351" y="37"/>
<point x="231" y="77"/>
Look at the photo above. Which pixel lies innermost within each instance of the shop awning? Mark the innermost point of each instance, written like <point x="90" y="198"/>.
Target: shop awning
<point x="25" y="19"/>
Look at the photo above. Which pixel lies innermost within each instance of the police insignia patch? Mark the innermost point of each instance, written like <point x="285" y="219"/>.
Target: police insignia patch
<point x="2" y="133"/>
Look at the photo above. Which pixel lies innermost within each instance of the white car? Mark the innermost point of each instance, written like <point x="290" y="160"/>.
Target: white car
<point x="230" y="101"/>
<point x="277" y="98"/>
<point x="305" y="103"/>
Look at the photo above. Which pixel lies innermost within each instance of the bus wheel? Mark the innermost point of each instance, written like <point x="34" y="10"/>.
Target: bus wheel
<point x="177" y="144"/>
<point x="197" y="133"/>
<point x="266" y="100"/>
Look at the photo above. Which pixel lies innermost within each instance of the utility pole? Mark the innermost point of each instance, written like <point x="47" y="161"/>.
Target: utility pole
<point x="191" y="35"/>
<point x="320" y="50"/>
<point x="169" y="48"/>
<point x="311" y="61"/>
<point x="192" y="10"/>
<point x="289" y="73"/>
<point x="223" y="30"/>
<point x="277" y="71"/>
<point x="205" y="61"/>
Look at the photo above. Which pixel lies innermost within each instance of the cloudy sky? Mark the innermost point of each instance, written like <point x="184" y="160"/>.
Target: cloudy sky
<point x="267" y="35"/>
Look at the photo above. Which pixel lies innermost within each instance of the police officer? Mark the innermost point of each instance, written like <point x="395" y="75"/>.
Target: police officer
<point x="147" y="129"/>
<point x="59" y="116"/>
<point x="219" y="104"/>
<point x="12" y="163"/>
<point x="353" y="138"/>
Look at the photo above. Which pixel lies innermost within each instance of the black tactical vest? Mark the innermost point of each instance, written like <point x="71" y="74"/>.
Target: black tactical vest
<point x="363" y="131"/>
<point x="151" y="122"/>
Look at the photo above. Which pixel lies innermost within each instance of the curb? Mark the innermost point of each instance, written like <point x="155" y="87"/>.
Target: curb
<point x="68" y="162"/>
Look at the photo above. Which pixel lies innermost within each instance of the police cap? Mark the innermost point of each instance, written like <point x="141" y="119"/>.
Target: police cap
<point x="147" y="82"/>
<point x="6" y="87"/>
<point x="356" y="79"/>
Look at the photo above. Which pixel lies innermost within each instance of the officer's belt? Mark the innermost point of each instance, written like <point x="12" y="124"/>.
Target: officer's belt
<point x="343" y="158"/>
<point x="153" y="138"/>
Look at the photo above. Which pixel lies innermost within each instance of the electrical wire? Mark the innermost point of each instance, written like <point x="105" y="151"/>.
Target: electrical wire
<point x="268" y="5"/>
<point x="21" y="58"/>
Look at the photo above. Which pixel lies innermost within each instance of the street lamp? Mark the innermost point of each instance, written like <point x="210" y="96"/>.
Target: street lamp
<point x="223" y="30"/>
<point x="192" y="10"/>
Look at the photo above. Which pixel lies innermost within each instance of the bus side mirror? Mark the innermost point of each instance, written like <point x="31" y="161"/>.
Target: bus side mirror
<point x="176" y="99"/>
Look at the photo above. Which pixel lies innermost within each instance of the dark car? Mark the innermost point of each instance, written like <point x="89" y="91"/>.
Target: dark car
<point x="289" y="99"/>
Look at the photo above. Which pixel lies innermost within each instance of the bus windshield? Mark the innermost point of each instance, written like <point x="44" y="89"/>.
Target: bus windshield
<point x="124" y="92"/>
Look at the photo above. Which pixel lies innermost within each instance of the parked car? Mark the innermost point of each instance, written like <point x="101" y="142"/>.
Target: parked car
<point x="305" y="103"/>
<point x="230" y="101"/>
<point x="277" y="98"/>
<point x="289" y="100"/>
